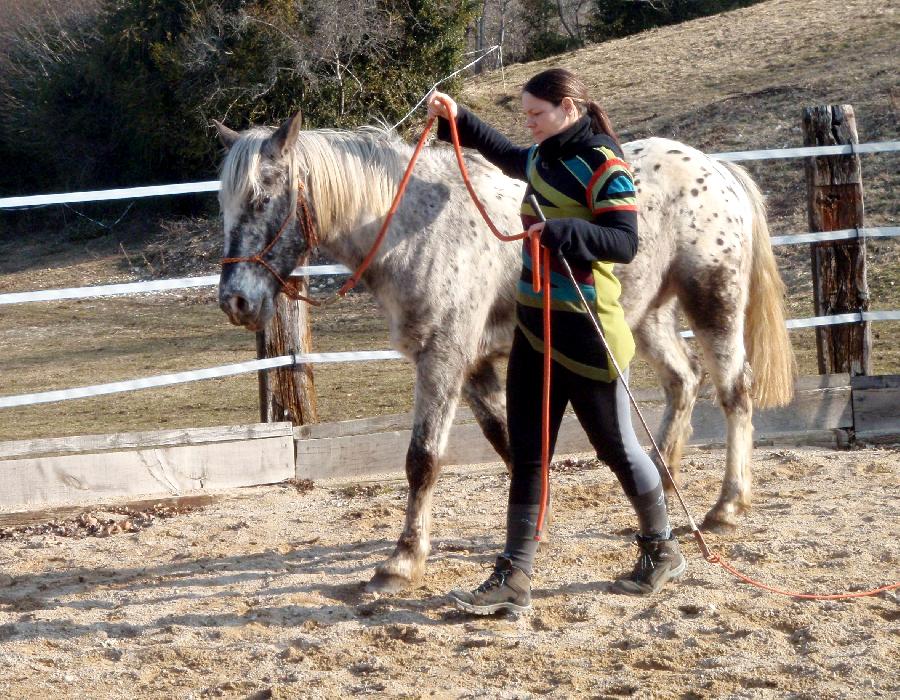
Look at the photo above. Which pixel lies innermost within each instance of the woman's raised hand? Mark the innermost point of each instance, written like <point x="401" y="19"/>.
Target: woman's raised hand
<point x="437" y="107"/>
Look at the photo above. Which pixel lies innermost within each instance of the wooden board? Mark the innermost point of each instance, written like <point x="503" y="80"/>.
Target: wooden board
<point x="821" y="404"/>
<point x="876" y="408"/>
<point x="166" y="471"/>
<point x="155" y="438"/>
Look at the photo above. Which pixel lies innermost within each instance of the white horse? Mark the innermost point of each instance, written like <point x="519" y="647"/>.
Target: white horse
<point x="446" y="285"/>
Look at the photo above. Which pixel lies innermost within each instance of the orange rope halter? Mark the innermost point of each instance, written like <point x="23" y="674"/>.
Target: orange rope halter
<point x="537" y="253"/>
<point x="309" y="229"/>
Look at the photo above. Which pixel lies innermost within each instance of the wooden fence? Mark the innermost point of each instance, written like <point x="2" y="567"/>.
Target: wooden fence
<point x="841" y="405"/>
<point x="827" y="410"/>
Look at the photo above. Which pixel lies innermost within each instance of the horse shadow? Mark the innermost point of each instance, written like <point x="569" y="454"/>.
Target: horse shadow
<point x="29" y="596"/>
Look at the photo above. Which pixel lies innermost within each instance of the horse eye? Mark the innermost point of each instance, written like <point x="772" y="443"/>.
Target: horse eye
<point x="266" y="199"/>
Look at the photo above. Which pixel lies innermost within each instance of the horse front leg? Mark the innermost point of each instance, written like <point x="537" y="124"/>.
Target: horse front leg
<point x="438" y="382"/>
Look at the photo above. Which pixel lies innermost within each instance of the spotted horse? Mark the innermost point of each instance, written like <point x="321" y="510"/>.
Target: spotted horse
<point x="447" y="286"/>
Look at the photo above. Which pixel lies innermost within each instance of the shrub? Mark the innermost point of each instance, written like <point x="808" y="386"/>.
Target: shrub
<point x="127" y="97"/>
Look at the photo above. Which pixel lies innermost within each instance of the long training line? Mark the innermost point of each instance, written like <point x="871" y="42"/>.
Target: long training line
<point x="443" y="80"/>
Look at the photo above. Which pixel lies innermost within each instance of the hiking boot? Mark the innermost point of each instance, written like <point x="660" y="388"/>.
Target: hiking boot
<point x="507" y="588"/>
<point x="660" y="561"/>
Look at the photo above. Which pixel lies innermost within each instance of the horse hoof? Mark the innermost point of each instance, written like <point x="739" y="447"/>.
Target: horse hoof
<point x="387" y="584"/>
<point x="720" y="520"/>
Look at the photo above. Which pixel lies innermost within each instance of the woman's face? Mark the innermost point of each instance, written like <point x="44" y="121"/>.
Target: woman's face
<point x="545" y="119"/>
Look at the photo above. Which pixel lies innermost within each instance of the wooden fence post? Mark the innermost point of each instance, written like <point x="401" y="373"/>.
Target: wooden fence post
<point x="287" y="393"/>
<point x="834" y="186"/>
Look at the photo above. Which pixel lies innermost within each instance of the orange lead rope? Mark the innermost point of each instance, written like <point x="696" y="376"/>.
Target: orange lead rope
<point x="545" y="402"/>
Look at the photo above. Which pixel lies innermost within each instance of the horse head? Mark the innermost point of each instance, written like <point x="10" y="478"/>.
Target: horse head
<point x="266" y="219"/>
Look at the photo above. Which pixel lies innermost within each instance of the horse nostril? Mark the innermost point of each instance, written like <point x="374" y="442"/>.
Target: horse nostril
<point x="241" y="305"/>
<point x="237" y="307"/>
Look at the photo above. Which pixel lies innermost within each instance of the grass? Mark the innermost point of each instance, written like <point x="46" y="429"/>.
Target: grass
<point x="730" y="82"/>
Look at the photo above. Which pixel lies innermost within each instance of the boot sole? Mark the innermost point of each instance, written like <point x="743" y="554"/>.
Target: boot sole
<point x="673" y="575"/>
<point x="488" y="609"/>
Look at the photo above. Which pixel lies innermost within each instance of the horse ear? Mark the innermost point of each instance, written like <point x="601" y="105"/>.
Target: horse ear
<point x="226" y="135"/>
<point x="284" y="139"/>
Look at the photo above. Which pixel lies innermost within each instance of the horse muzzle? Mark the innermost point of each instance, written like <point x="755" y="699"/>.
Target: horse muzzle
<point x="241" y="310"/>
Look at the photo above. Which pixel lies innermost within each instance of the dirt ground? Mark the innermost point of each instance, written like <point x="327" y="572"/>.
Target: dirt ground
<point x="258" y="594"/>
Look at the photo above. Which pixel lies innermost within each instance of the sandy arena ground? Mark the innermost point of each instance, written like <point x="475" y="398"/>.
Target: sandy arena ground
<point x="258" y="594"/>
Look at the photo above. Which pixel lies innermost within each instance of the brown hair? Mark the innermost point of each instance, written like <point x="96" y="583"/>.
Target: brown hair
<point x="555" y="84"/>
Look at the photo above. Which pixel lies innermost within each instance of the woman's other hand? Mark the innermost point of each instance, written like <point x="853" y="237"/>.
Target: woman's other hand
<point x="438" y="108"/>
<point x="536" y="230"/>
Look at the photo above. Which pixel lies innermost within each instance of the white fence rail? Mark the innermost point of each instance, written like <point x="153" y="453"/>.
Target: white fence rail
<point x="213" y="185"/>
<point x="362" y="356"/>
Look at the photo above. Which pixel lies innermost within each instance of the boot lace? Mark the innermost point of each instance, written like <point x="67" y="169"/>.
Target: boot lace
<point x="496" y="579"/>
<point x="643" y="567"/>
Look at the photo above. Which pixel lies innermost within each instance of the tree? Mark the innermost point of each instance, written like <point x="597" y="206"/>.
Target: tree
<point x="131" y="100"/>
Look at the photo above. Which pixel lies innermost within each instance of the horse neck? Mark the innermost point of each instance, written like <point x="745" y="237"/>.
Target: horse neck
<point x="353" y="177"/>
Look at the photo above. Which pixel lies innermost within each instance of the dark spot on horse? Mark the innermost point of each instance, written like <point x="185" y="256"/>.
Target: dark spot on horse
<point x="649" y="207"/>
<point x="719" y="241"/>
<point x="729" y="220"/>
<point x="705" y="188"/>
<point x="700" y="180"/>
<point x="637" y="182"/>
<point x="674" y="150"/>
<point x="472" y="223"/>
<point x="637" y="170"/>
<point x="695" y="191"/>
<point x="694" y="242"/>
<point x="637" y="150"/>
<point x="656" y="167"/>
<point x="686" y="158"/>
<point x="716" y="214"/>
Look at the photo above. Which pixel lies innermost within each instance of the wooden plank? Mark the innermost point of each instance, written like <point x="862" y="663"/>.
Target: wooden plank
<point x="834" y="186"/>
<point x="367" y="426"/>
<point x="403" y="421"/>
<point x="156" y="438"/>
<point x="170" y="471"/>
<point x="876" y="408"/>
<point x="352" y="455"/>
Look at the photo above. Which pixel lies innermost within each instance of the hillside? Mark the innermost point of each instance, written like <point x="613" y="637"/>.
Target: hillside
<point x="736" y="81"/>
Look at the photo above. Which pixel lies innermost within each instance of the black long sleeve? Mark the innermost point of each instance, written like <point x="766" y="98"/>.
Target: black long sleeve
<point x="611" y="238"/>
<point x="499" y="150"/>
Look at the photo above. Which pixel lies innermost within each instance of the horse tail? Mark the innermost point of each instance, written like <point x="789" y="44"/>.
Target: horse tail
<point x="769" y="349"/>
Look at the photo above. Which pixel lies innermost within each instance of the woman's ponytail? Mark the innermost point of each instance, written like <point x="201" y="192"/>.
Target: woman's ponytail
<point x="600" y="123"/>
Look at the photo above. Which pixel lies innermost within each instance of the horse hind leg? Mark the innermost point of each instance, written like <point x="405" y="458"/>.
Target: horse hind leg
<point x="679" y="370"/>
<point x="486" y="396"/>
<point x="438" y="381"/>
<point x="716" y="306"/>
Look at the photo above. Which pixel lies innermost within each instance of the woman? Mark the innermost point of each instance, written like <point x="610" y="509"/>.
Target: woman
<point x="577" y="172"/>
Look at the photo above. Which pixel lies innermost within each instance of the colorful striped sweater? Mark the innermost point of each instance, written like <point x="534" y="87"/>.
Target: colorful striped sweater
<point x="585" y="189"/>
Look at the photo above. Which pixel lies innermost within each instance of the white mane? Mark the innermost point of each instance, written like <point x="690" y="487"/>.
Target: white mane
<point x="347" y="173"/>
